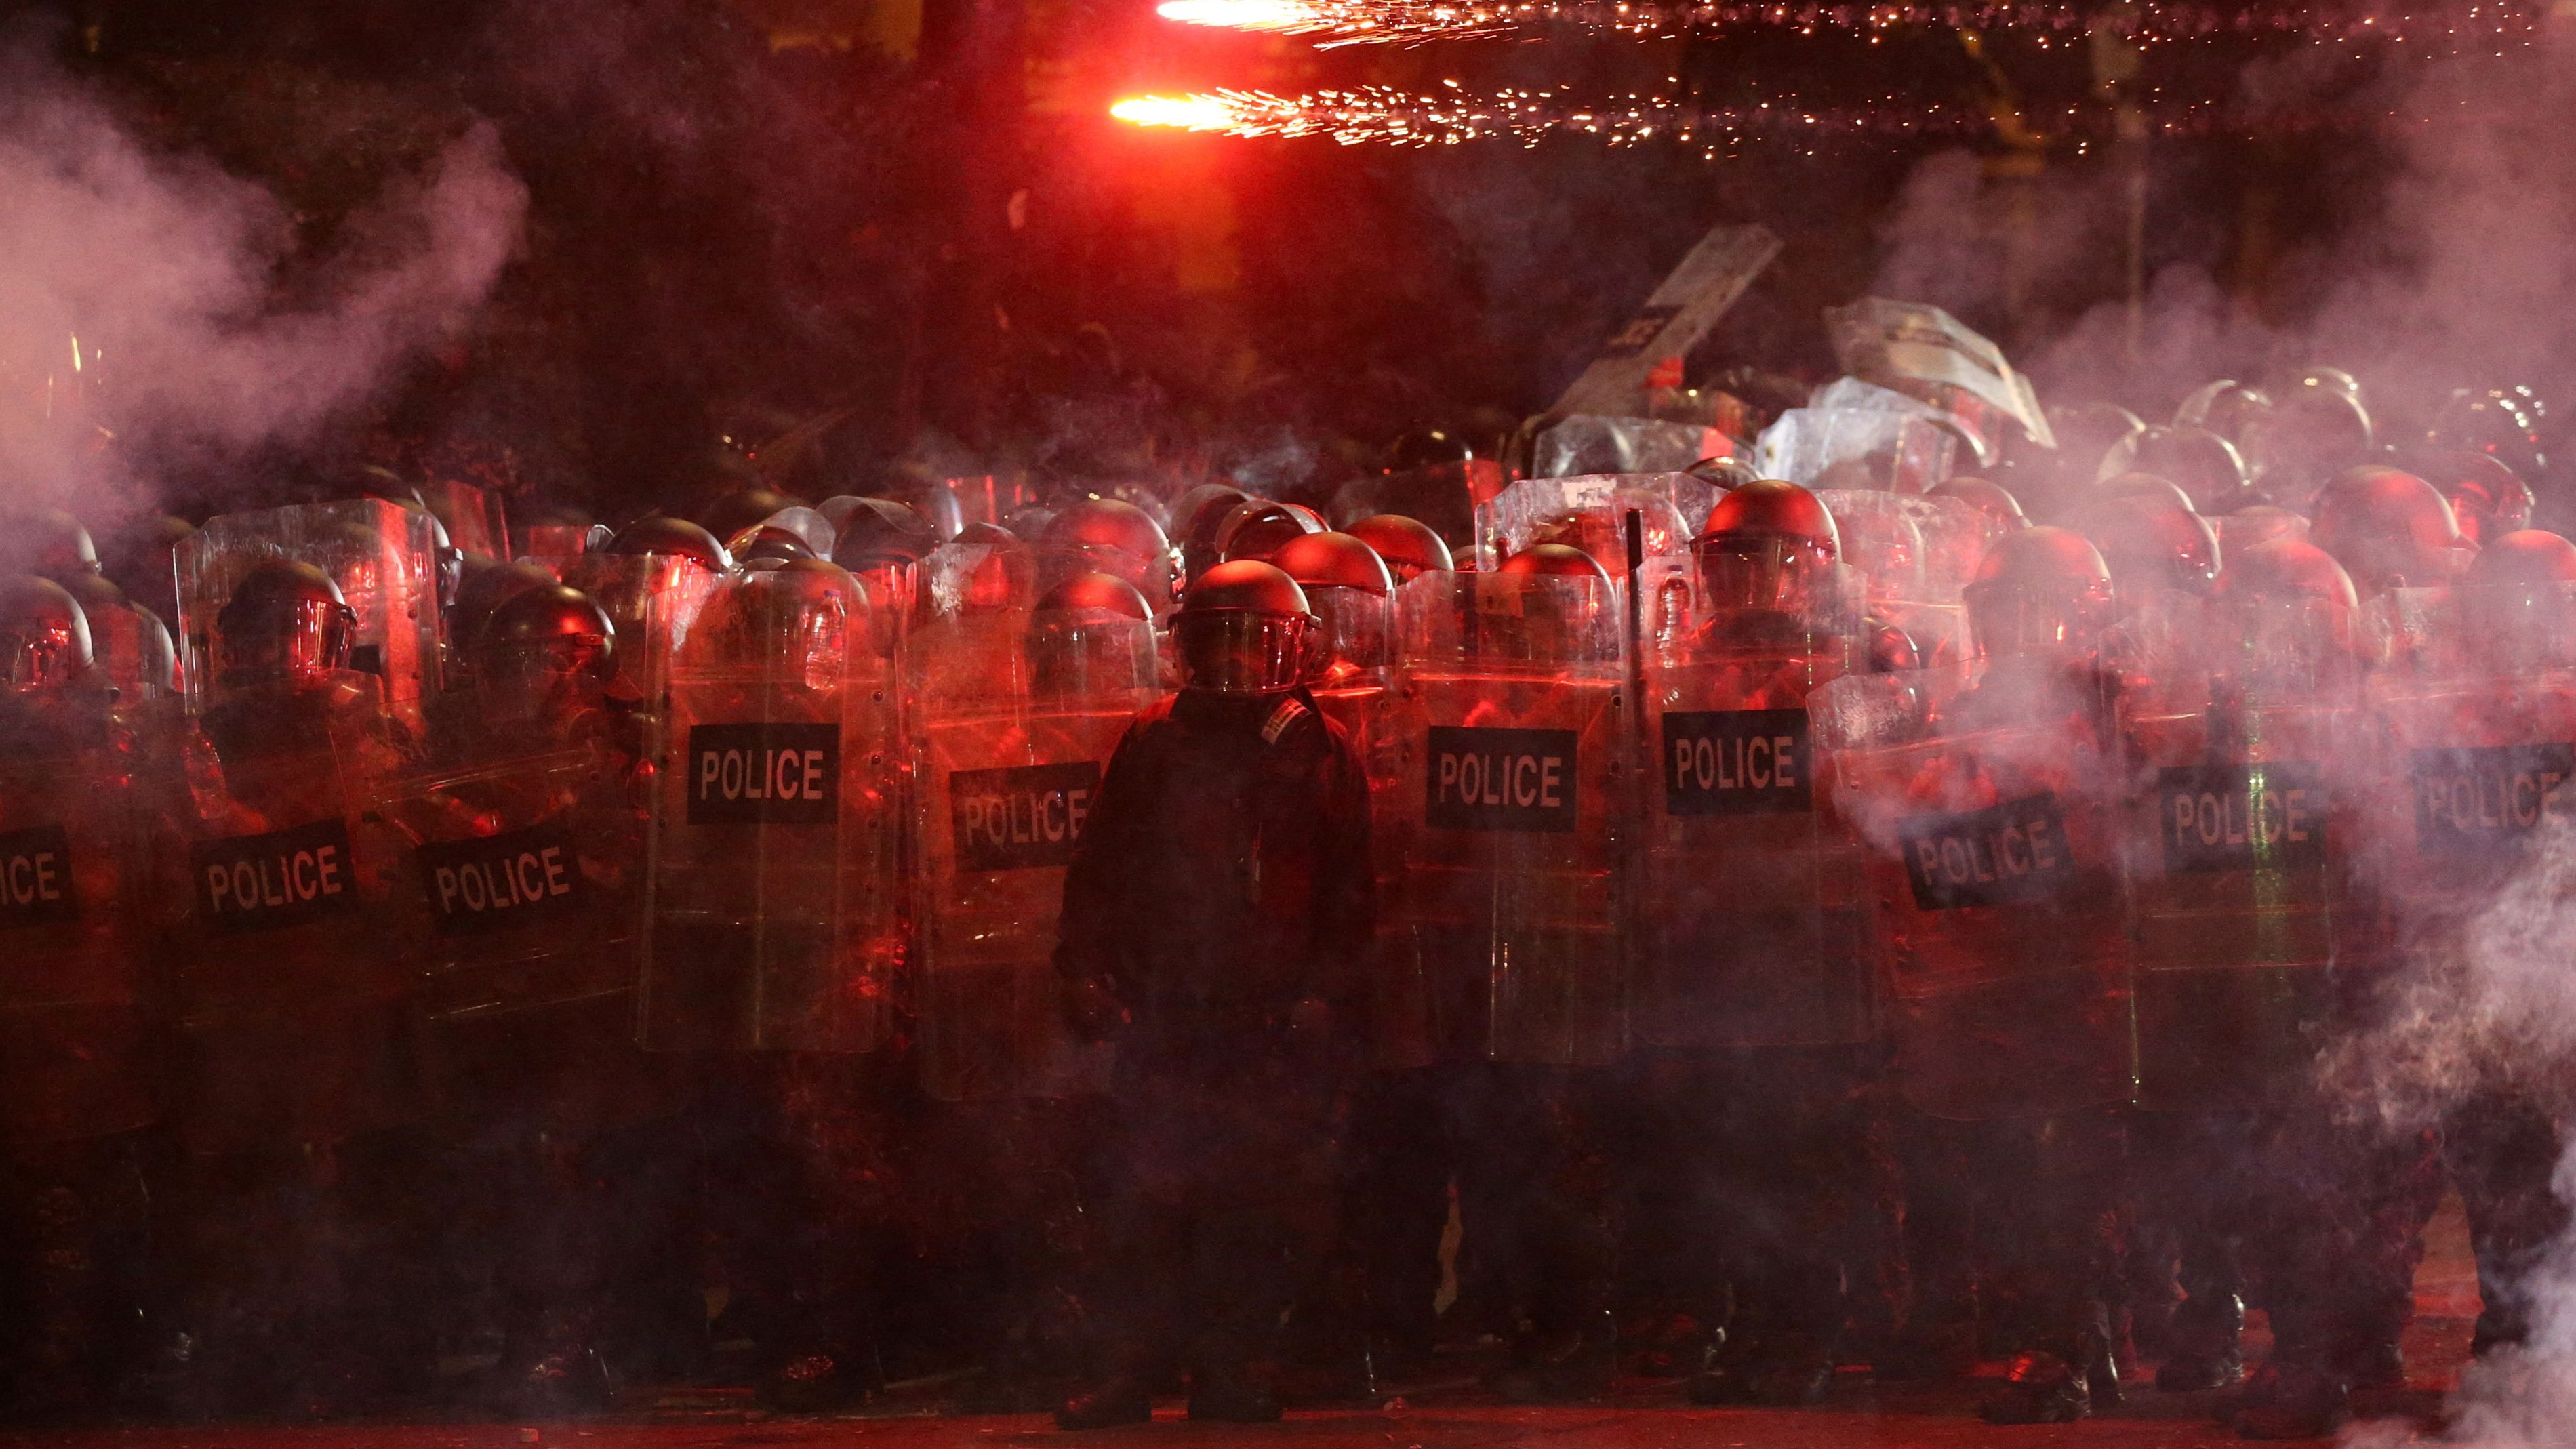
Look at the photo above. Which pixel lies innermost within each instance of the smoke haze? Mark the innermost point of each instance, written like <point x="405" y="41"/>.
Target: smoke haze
<point x="203" y="330"/>
<point x="2495" y="1015"/>
<point x="2454" y="272"/>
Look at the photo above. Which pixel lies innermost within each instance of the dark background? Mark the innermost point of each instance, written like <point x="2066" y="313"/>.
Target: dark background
<point x="747" y="214"/>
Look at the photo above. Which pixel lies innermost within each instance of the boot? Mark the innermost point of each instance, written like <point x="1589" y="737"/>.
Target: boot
<point x="1120" y="1400"/>
<point x="2291" y="1400"/>
<point x="818" y="1382"/>
<point x="1786" y="1369"/>
<point x="2204" y="1346"/>
<point x="2039" y="1388"/>
<point x="2100" y="1351"/>
<point x="1231" y="1395"/>
<point x="565" y="1379"/>
<point x="2046" y="1388"/>
<point x="1562" y="1367"/>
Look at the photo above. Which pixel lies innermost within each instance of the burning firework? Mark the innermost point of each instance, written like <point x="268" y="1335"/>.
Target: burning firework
<point x="1385" y="115"/>
<point x="1208" y="111"/>
<point x="1364" y="22"/>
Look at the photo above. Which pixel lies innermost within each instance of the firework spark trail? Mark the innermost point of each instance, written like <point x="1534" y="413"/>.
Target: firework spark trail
<point x="1381" y="22"/>
<point x="1385" y="115"/>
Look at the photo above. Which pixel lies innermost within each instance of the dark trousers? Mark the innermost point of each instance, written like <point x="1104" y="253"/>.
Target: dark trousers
<point x="792" y="1195"/>
<point x="1758" y="1193"/>
<point x="2014" y="1227"/>
<point x="2192" y="1205"/>
<point x="2501" y="1148"/>
<point x="1216" y="1187"/>
<point x="80" y="1277"/>
<point x="307" y="1269"/>
<point x="1000" y="1192"/>
<point x="1520" y="1145"/>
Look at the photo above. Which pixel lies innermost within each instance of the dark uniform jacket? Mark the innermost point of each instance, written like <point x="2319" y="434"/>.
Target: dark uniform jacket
<point x="1223" y="876"/>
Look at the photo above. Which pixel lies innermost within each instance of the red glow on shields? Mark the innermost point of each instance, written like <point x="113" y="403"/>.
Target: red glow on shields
<point x="1188" y="113"/>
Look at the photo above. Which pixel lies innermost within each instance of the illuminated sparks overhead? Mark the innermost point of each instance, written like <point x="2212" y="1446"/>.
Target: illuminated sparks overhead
<point x="1204" y="112"/>
<point x="1357" y="22"/>
<point x="1385" y="115"/>
<point x="1292" y="16"/>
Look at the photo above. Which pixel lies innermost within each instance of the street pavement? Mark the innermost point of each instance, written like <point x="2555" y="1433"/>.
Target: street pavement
<point x="1450" y="1414"/>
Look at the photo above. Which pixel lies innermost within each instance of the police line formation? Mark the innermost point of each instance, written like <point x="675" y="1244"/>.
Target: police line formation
<point x="1794" y="852"/>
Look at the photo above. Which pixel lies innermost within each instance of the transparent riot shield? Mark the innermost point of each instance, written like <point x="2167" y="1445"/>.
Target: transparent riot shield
<point x="72" y="921"/>
<point x="521" y="899"/>
<point x="1011" y="762"/>
<point x="476" y="520"/>
<point x="285" y="980"/>
<point x="1590" y="513"/>
<point x="1992" y="812"/>
<point x="1510" y="707"/>
<point x="1354" y="686"/>
<point x="2478" y="711"/>
<point x="384" y="559"/>
<point x="1917" y="554"/>
<point x="1444" y="496"/>
<point x="774" y="920"/>
<point x="2249" y="754"/>
<point x="653" y="599"/>
<point x="1753" y="924"/>
<point x="973" y="603"/>
<point x="130" y="649"/>
<point x="552" y="542"/>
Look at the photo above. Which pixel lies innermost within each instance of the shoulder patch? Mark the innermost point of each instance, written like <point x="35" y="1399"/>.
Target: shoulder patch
<point x="1290" y="710"/>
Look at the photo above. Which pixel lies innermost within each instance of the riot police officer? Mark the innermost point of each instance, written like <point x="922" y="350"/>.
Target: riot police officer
<point x="774" y="926"/>
<point x="73" y="1039"/>
<point x="2241" y="864"/>
<point x="1759" y="1008"/>
<point x="1992" y="815"/>
<point x="527" y="857"/>
<point x="2207" y="467"/>
<point x="1216" y="913"/>
<point x="297" y="1096"/>
<point x="131" y="645"/>
<point x="1407" y="545"/>
<point x="2390" y="530"/>
<point x="2477" y="691"/>
<point x="1017" y="710"/>
<point x="1505" y="938"/>
<point x="1105" y="535"/>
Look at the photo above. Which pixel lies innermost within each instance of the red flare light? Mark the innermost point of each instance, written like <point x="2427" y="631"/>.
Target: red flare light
<point x="1291" y="16"/>
<point x="1189" y="113"/>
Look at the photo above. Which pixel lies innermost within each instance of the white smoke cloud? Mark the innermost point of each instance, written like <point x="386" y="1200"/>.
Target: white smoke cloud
<point x="2457" y="272"/>
<point x="168" y="270"/>
<point x="2456" y="275"/>
<point x="2497" y="1012"/>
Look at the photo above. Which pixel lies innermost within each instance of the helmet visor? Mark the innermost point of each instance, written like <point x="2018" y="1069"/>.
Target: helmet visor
<point x="2519" y="628"/>
<point x="1770" y="572"/>
<point x="1238" y="651"/>
<point x="1097" y="652"/>
<point x="2065" y="620"/>
<point x="542" y="662"/>
<point x="1152" y="576"/>
<point x="2281" y="643"/>
<point x="290" y="641"/>
<point x="1356" y="629"/>
<point x="38" y="657"/>
<point x="542" y="678"/>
